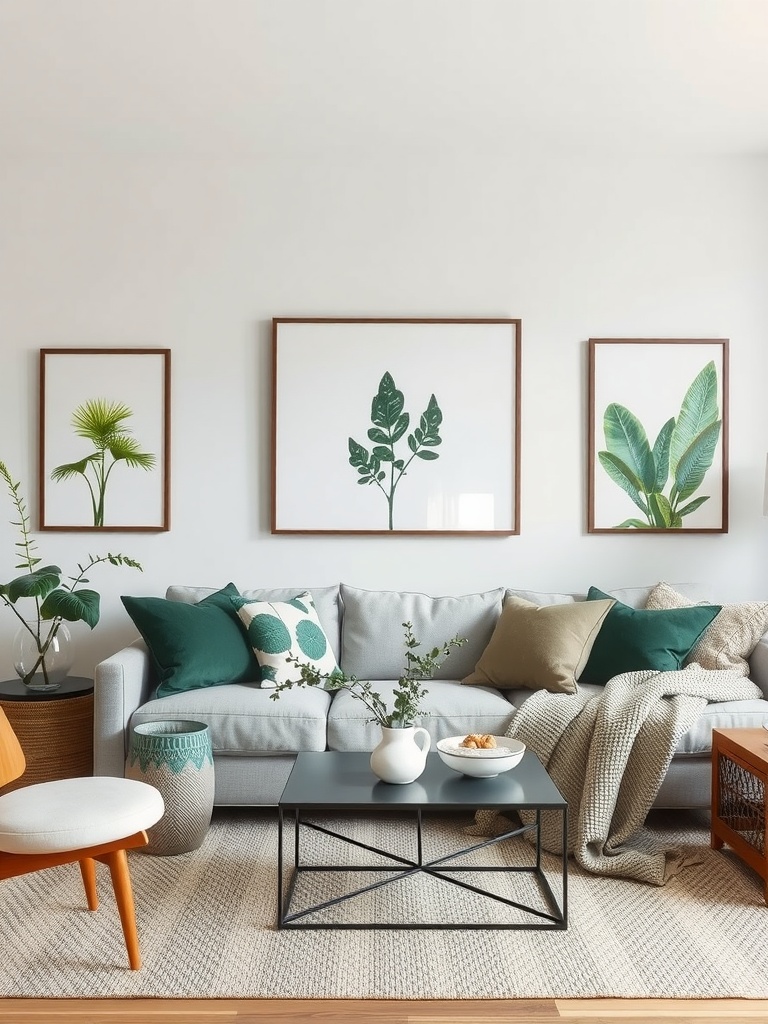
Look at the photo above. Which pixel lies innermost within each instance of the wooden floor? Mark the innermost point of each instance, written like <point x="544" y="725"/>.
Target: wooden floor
<point x="355" y="1011"/>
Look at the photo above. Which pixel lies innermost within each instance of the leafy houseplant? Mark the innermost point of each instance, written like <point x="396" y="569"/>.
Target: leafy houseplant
<point x="390" y="423"/>
<point x="684" y="450"/>
<point x="103" y="424"/>
<point x="54" y="599"/>
<point x="408" y="690"/>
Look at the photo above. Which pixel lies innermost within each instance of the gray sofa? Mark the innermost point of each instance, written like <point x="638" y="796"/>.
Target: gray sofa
<point x="255" y="739"/>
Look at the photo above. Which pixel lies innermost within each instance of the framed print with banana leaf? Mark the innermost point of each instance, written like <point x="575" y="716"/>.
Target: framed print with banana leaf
<point x="104" y="460"/>
<point x="396" y="426"/>
<point x="658" y="435"/>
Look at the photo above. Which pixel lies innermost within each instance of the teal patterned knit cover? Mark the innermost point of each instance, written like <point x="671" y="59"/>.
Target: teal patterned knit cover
<point x="174" y="744"/>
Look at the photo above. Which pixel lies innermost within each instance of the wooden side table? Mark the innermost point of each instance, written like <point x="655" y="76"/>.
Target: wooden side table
<point x="55" y="729"/>
<point x="739" y="788"/>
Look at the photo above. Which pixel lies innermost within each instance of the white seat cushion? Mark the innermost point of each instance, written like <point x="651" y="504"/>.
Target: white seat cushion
<point x="70" y="814"/>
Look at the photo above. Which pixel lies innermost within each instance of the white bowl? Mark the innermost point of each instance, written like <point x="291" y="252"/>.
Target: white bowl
<point x="481" y="764"/>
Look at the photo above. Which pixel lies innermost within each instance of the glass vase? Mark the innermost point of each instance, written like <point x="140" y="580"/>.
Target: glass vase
<point x="42" y="654"/>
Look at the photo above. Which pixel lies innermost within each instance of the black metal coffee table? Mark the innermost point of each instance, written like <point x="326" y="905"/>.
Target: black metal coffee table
<point x="343" y="783"/>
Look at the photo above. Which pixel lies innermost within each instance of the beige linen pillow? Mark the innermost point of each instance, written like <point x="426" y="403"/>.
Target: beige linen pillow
<point x="539" y="647"/>
<point x="731" y="636"/>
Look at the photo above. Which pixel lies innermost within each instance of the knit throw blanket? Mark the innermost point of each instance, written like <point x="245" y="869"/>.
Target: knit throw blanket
<point x="608" y="755"/>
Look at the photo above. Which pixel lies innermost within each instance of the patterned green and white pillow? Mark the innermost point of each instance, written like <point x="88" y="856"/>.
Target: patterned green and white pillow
<point x="278" y="630"/>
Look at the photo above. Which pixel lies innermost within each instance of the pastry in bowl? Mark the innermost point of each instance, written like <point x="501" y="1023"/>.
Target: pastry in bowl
<point x="497" y="754"/>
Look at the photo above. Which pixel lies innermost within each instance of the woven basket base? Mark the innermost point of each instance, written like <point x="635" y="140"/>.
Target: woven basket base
<point x="188" y="797"/>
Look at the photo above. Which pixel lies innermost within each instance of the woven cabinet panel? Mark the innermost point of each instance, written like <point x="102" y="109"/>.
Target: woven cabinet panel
<point x="56" y="737"/>
<point x="742" y="802"/>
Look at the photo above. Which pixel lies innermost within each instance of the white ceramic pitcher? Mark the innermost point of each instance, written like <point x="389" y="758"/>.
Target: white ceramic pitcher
<point x="399" y="757"/>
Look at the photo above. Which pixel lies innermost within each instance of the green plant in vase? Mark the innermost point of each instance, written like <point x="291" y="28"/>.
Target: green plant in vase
<point x="56" y="600"/>
<point x="400" y="756"/>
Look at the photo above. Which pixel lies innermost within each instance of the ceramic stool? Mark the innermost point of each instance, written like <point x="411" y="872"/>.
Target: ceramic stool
<point x="175" y="757"/>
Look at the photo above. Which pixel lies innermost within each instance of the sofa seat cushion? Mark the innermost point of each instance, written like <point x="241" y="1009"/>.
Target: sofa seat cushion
<point x="450" y="710"/>
<point x="243" y="719"/>
<point x="372" y="637"/>
<point x="731" y="714"/>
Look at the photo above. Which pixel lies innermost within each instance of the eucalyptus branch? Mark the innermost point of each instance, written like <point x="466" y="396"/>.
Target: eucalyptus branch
<point x="27" y="543"/>
<point x="408" y="691"/>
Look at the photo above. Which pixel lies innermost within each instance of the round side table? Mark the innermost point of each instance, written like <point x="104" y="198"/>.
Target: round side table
<point x="55" y="729"/>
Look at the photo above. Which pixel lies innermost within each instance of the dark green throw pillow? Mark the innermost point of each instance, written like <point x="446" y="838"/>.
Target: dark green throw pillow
<point x="636" y="638"/>
<point x="194" y="645"/>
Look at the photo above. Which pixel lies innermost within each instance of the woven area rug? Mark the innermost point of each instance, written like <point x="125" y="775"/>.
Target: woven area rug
<point x="206" y="925"/>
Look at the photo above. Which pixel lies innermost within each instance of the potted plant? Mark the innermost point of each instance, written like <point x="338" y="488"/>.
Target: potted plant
<point x="41" y="647"/>
<point x="398" y="758"/>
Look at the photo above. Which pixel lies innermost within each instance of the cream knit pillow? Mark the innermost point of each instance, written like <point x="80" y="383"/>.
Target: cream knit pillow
<point x="731" y="636"/>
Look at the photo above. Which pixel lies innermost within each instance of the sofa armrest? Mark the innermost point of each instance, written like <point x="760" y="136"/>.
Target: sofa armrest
<point x="122" y="683"/>
<point x="758" y="665"/>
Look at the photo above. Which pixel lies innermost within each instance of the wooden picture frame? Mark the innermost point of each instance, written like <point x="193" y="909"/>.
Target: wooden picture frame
<point x="104" y="459"/>
<point x="396" y="426"/>
<point x="658" y="435"/>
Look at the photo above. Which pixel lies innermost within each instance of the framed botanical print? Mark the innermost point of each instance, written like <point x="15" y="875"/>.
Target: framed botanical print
<point x="104" y="439"/>
<point x="658" y="435"/>
<point x="396" y="426"/>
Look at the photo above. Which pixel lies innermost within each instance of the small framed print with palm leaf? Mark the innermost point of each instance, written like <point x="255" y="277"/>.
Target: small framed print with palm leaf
<point x="104" y="439"/>
<point x="658" y="435"/>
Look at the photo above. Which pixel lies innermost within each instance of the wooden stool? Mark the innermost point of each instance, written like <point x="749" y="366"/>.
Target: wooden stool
<point x="739" y="789"/>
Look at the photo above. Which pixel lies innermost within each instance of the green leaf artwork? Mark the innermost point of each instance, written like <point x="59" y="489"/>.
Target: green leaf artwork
<point x="103" y="424"/>
<point x="681" y="455"/>
<point x="383" y="466"/>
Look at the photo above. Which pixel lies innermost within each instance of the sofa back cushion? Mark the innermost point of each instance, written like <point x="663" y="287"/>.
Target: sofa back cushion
<point x="372" y="635"/>
<point x="326" y="601"/>
<point x="635" y="597"/>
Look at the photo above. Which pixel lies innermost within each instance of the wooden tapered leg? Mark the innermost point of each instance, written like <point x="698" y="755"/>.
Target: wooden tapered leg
<point x="121" y="883"/>
<point x="88" y="871"/>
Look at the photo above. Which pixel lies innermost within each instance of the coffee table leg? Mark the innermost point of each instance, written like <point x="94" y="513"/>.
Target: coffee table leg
<point x="279" y="867"/>
<point x="538" y="841"/>
<point x="564" y="906"/>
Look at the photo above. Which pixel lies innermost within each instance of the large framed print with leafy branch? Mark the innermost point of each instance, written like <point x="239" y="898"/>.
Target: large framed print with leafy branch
<point x="396" y="426"/>
<point x="658" y="435"/>
<point x="104" y="461"/>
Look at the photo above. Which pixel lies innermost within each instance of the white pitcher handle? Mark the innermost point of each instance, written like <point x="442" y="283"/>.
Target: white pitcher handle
<point x="424" y="748"/>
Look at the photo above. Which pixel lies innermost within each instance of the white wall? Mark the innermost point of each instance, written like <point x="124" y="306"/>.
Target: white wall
<point x="198" y="255"/>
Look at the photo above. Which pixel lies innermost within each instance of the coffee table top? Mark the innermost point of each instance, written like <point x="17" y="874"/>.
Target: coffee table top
<point x="331" y="780"/>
